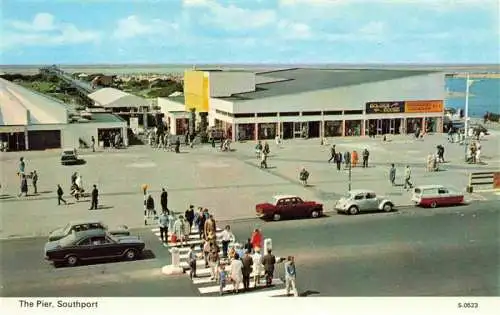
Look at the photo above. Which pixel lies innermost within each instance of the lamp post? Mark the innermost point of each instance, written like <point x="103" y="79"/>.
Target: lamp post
<point x="350" y="173"/>
<point x="468" y="83"/>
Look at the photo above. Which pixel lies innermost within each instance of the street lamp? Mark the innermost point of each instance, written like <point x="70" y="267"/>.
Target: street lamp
<point x="468" y="84"/>
<point x="350" y="173"/>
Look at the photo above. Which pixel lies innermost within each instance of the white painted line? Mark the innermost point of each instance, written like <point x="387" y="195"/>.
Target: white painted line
<point x="185" y="256"/>
<point x="199" y="263"/>
<point x="205" y="272"/>
<point x="203" y="280"/>
<point x="229" y="287"/>
<point x="257" y="294"/>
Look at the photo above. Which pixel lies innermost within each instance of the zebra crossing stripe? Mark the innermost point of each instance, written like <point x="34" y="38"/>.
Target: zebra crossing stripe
<point x="199" y="263"/>
<point x="229" y="287"/>
<point x="258" y="294"/>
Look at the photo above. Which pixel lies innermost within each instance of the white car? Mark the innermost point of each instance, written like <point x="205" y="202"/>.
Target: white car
<point x="362" y="200"/>
<point x="69" y="156"/>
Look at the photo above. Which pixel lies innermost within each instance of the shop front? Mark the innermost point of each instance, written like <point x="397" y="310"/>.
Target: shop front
<point x="267" y="131"/>
<point x="245" y="132"/>
<point x="383" y="126"/>
<point x="333" y="128"/>
<point x="106" y="136"/>
<point x="301" y="129"/>
<point x="181" y="126"/>
<point x="12" y="139"/>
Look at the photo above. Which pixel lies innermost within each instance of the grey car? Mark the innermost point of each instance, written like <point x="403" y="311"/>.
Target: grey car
<point x="78" y="226"/>
<point x="362" y="200"/>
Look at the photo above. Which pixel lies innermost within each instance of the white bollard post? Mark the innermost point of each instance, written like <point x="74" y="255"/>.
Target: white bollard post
<point x="176" y="259"/>
<point x="268" y="244"/>
<point x="174" y="268"/>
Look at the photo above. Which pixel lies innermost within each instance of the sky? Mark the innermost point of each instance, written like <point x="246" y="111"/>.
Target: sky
<point x="249" y="31"/>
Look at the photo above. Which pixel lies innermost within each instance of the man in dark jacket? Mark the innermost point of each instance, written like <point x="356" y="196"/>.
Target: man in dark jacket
<point x="268" y="261"/>
<point x="164" y="200"/>
<point x="94" y="195"/>
<point x="247" y="262"/>
<point x="60" y="194"/>
<point x="366" y="155"/>
<point x="201" y="224"/>
<point x="177" y="145"/>
<point x="333" y="153"/>
<point x="189" y="215"/>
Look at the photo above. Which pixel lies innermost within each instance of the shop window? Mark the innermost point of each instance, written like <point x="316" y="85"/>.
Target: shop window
<point x="353" y="112"/>
<point x="267" y="131"/>
<point x="267" y="114"/>
<point x="244" y="115"/>
<point x="311" y="113"/>
<point x="288" y="114"/>
<point x="333" y="112"/>
<point x="352" y="128"/>
<point x="245" y="132"/>
<point x="333" y="128"/>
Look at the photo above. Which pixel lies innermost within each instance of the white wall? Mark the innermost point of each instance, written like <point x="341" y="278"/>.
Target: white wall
<point x="225" y="83"/>
<point x="426" y="87"/>
<point x="72" y="132"/>
<point x="167" y="105"/>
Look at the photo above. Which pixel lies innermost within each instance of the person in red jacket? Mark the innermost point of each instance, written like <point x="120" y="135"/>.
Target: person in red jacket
<point x="257" y="239"/>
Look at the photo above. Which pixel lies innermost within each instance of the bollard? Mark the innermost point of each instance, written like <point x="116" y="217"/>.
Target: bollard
<point x="176" y="258"/>
<point x="268" y="244"/>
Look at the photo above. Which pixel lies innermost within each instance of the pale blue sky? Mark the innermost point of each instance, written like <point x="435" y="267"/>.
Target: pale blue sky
<point x="249" y="31"/>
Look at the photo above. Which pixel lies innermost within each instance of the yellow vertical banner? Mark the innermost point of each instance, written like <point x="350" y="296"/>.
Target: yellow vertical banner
<point x="196" y="90"/>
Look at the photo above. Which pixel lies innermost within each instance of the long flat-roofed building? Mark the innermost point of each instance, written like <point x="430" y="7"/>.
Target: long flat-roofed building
<point x="313" y="102"/>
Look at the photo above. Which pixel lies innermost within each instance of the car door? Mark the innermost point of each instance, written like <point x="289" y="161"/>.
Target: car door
<point x="104" y="247"/>
<point x="360" y="201"/>
<point x="287" y="208"/>
<point x="371" y="202"/>
<point x="443" y="198"/>
<point x="84" y="249"/>
<point x="296" y="208"/>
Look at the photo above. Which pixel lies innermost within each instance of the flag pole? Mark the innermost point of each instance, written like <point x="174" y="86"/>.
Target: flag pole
<point x="466" y="125"/>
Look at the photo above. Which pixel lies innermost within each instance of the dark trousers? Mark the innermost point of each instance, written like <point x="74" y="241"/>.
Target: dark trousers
<point x="192" y="271"/>
<point x="365" y="162"/>
<point x="164" y="234"/>
<point x="190" y="222"/>
<point x="246" y="281"/>
<point x="59" y="199"/>
<point x="338" y="166"/>
<point x="332" y="158"/>
<point x="269" y="277"/>
<point x="201" y="231"/>
<point x="93" y="204"/>
<point x="35" y="188"/>
<point x="225" y="245"/>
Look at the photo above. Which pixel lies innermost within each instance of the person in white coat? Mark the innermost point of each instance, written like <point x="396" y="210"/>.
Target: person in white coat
<point x="236" y="270"/>
<point x="180" y="229"/>
<point x="258" y="268"/>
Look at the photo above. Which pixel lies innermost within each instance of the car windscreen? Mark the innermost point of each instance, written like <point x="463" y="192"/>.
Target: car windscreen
<point x="67" y="228"/>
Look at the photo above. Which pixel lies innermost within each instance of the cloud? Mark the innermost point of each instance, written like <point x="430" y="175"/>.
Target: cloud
<point x="294" y="30"/>
<point x="232" y="17"/>
<point x="375" y="28"/>
<point x="132" y="26"/>
<point x="44" y="30"/>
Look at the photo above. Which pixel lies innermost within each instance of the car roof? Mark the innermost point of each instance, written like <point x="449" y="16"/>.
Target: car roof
<point x="360" y="191"/>
<point x="430" y="186"/>
<point x="285" y="196"/>
<point x="90" y="233"/>
<point x="78" y="222"/>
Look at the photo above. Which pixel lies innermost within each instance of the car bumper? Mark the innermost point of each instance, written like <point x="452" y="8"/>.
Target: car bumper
<point x="340" y="208"/>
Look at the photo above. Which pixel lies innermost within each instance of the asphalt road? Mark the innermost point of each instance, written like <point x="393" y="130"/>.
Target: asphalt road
<point x="414" y="252"/>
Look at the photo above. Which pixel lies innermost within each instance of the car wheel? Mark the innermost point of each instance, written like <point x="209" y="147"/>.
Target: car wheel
<point x="387" y="207"/>
<point x="315" y="214"/>
<point x="433" y="204"/>
<point x="276" y="217"/>
<point x="130" y="254"/>
<point x="353" y="210"/>
<point x="72" y="260"/>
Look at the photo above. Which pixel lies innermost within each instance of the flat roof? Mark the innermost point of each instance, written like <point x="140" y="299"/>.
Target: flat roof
<point x="300" y="80"/>
<point x="105" y="118"/>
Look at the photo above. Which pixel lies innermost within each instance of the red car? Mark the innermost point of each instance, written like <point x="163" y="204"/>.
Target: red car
<point x="287" y="207"/>
<point x="436" y="195"/>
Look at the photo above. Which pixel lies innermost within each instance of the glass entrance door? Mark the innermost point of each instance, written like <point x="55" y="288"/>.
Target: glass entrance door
<point x="379" y="126"/>
<point x="392" y="126"/>
<point x="300" y="129"/>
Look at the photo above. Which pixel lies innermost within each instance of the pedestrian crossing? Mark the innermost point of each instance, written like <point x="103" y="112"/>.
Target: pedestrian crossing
<point x="208" y="286"/>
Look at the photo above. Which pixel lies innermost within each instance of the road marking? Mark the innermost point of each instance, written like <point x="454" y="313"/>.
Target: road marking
<point x="229" y="287"/>
<point x="259" y="294"/>
<point x="142" y="165"/>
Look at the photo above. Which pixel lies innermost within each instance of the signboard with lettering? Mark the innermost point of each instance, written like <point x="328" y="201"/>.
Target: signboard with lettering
<point x="385" y="107"/>
<point x="424" y="107"/>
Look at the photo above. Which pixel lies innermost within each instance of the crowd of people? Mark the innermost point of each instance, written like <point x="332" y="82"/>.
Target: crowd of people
<point x="348" y="159"/>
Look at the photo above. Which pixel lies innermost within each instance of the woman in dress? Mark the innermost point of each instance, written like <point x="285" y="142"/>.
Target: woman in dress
<point x="236" y="272"/>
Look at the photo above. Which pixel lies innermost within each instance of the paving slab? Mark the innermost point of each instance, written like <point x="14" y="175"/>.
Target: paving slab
<point x="227" y="183"/>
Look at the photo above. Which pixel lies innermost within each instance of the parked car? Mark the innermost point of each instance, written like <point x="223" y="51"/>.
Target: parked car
<point x="362" y="200"/>
<point x="436" y="195"/>
<point x="78" y="226"/>
<point x="287" y="207"/>
<point x="69" y="157"/>
<point x="92" y="245"/>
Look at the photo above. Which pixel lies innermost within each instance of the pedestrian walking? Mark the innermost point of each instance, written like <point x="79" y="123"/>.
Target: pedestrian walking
<point x="408" y="184"/>
<point x="34" y="181"/>
<point x="60" y="194"/>
<point x="354" y="158"/>
<point x="213" y="260"/>
<point x="333" y="154"/>
<point x="94" y="198"/>
<point x="164" y="199"/>
<point x="192" y="262"/>
<point x="257" y="239"/>
<point x="290" y="276"/>
<point x="304" y="176"/>
<point x="338" y="160"/>
<point x="227" y="237"/>
<point x="24" y="186"/>
<point x="150" y="209"/>
<point x="263" y="159"/>
<point x="177" y="145"/>
<point x="247" y="263"/>
<point x="92" y="140"/>
<point x="209" y="226"/>
<point x="22" y="165"/>
<point x="236" y="273"/>
<point x="205" y="249"/>
<point x="222" y="278"/>
<point x="163" y="225"/>
<point x="189" y="215"/>
<point x="392" y="174"/>
<point x="179" y="230"/>
<point x="366" y="156"/>
<point x="266" y="149"/>
<point x="268" y="261"/>
<point x="201" y="219"/>
<point x="347" y="159"/>
<point x="258" y="268"/>
<point x="248" y="245"/>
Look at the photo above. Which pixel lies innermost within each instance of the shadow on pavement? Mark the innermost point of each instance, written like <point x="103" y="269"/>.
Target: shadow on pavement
<point x="308" y="293"/>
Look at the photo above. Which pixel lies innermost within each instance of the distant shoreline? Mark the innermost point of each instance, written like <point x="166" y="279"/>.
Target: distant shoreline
<point x="476" y="75"/>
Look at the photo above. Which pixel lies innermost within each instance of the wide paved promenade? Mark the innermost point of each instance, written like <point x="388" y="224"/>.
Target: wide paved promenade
<point x="228" y="183"/>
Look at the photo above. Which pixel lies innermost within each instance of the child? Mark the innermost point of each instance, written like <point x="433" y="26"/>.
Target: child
<point x="222" y="278"/>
